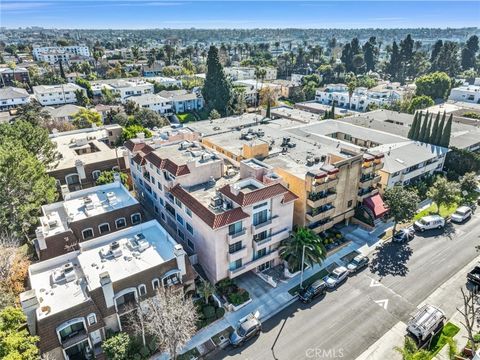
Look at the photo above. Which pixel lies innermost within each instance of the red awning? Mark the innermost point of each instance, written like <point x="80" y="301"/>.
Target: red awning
<point x="375" y="203"/>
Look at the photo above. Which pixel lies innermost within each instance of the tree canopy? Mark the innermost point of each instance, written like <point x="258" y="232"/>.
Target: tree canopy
<point x="402" y="203"/>
<point x="435" y="85"/>
<point x="85" y="118"/>
<point x="15" y="341"/>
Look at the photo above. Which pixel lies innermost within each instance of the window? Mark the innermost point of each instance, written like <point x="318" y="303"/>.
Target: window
<point x="181" y="235"/>
<point x="91" y="319"/>
<point x="180" y="220"/>
<point x="350" y="203"/>
<point x="260" y="205"/>
<point x="235" y="228"/>
<point x="260" y="217"/>
<point x="235" y="247"/>
<point x="104" y="228"/>
<point x="162" y="215"/>
<point x="189" y="228"/>
<point x="188" y="211"/>
<point x="136" y="218"/>
<point x="87" y="233"/>
<point x="155" y="208"/>
<point x="155" y="284"/>
<point x="120" y="223"/>
<point x="236" y="264"/>
<point x="159" y="185"/>
<point x="71" y="330"/>
<point x="178" y="202"/>
<point x="190" y="244"/>
<point x="160" y="200"/>
<point x="142" y="290"/>
<point x="96" y="174"/>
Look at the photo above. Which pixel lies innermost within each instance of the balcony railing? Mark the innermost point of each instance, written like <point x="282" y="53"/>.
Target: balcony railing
<point x="321" y="225"/>
<point x="234" y="237"/>
<point x="74" y="338"/>
<point x="319" y="214"/>
<point x="369" y="181"/>
<point x="237" y="254"/>
<point x="253" y="264"/>
<point x="273" y="221"/>
<point x="322" y="186"/>
<point x="363" y="194"/>
<point x="270" y="240"/>
<point x="316" y="200"/>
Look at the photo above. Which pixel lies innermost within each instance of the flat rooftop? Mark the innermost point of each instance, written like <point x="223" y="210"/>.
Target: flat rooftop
<point x="211" y="127"/>
<point x="88" y="145"/>
<point x="60" y="289"/>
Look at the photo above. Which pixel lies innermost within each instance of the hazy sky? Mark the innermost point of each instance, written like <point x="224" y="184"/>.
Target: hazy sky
<point x="141" y="14"/>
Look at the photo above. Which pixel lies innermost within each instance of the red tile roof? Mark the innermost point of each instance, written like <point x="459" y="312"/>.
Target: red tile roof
<point x="245" y="199"/>
<point x="139" y="159"/>
<point x="167" y="164"/>
<point x="289" y="196"/>
<point x="213" y="220"/>
<point x="134" y="147"/>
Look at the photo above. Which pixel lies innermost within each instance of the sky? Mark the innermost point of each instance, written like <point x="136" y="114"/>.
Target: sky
<point x="175" y="14"/>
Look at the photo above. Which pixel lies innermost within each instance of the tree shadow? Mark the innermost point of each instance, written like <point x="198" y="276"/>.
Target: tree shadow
<point x="391" y="259"/>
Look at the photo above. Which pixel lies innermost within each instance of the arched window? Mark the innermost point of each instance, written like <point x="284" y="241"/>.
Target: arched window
<point x="142" y="290"/>
<point x="87" y="233"/>
<point x="104" y="228"/>
<point x="155" y="284"/>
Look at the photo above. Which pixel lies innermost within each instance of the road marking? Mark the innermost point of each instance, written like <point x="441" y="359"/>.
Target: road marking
<point x="383" y="303"/>
<point x="374" y="283"/>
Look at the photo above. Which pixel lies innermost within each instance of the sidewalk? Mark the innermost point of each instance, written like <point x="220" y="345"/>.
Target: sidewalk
<point x="268" y="304"/>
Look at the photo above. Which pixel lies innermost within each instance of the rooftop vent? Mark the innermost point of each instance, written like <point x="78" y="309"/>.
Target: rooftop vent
<point x="113" y="251"/>
<point x="139" y="243"/>
<point x="112" y="198"/>
<point x="64" y="274"/>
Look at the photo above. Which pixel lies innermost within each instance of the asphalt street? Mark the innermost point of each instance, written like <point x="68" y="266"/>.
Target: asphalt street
<point x="345" y="322"/>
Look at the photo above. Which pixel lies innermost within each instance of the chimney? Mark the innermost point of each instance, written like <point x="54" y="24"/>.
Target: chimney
<point x="180" y="255"/>
<point x="80" y="169"/>
<point x="235" y="189"/>
<point x="42" y="245"/>
<point x="107" y="288"/>
<point x="30" y="304"/>
<point x="125" y="159"/>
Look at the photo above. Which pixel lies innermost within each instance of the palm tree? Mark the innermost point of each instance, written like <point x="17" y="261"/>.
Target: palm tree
<point x="410" y="351"/>
<point x="352" y="84"/>
<point x="205" y="290"/>
<point x="291" y="249"/>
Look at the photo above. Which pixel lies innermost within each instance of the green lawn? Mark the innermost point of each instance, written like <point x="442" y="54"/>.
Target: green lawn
<point x="318" y="275"/>
<point x="432" y="209"/>
<point x="441" y="339"/>
<point x="186" y="117"/>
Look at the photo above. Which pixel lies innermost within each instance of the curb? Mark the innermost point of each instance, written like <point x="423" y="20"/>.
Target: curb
<point x="284" y="306"/>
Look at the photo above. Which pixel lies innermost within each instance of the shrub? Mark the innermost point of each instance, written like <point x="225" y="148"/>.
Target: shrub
<point x="209" y="311"/>
<point x="145" y="352"/>
<point x="219" y="312"/>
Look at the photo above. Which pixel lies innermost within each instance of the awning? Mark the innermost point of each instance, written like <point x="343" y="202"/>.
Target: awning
<point x="376" y="204"/>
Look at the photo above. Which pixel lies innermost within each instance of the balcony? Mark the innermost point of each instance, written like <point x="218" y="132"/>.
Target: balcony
<point x="377" y="165"/>
<point x="320" y="214"/>
<point x="238" y="254"/>
<point x="316" y="200"/>
<point x="363" y="194"/>
<point x="74" y="338"/>
<point x="239" y="235"/>
<point x="320" y="226"/>
<point x="273" y="221"/>
<point x="369" y="181"/>
<point x="317" y="187"/>
<point x="253" y="264"/>
<point x="271" y="240"/>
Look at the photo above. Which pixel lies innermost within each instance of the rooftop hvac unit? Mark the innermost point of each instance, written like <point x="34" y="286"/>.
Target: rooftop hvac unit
<point x="52" y="221"/>
<point x="260" y="133"/>
<point x="115" y="249"/>
<point x="64" y="274"/>
<point x="139" y="242"/>
<point x="216" y="202"/>
<point x="81" y="141"/>
<point x="310" y="161"/>
<point x="112" y="198"/>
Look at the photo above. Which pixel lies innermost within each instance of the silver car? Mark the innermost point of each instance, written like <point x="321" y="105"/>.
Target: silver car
<point x="336" y="277"/>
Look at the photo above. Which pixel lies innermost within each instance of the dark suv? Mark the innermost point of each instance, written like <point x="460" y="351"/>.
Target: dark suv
<point x="308" y="294"/>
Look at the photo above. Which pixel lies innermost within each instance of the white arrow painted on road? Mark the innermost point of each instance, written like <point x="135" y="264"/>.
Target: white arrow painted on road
<point x="374" y="283"/>
<point x="383" y="303"/>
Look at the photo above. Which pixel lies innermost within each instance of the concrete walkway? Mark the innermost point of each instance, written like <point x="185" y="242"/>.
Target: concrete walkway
<point x="268" y="303"/>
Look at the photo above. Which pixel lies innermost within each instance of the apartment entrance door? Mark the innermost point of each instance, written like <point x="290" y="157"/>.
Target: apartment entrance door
<point x="265" y="266"/>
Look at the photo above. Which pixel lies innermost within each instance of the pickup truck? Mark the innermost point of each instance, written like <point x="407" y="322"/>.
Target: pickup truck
<point x="474" y="276"/>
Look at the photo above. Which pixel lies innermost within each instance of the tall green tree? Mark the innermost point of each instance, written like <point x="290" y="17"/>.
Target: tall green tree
<point x="447" y="60"/>
<point x="428" y="133"/>
<point x="370" y="54"/>
<point x="435" y="85"/>
<point x="423" y="130"/>
<point x="82" y="99"/>
<point x="469" y="182"/>
<point x="85" y="118"/>
<point x="402" y="203"/>
<point x="32" y="138"/>
<point x="15" y="341"/>
<point x="413" y="127"/>
<point x="435" y="130"/>
<point x="291" y="249"/>
<point x="469" y="53"/>
<point x="444" y="192"/>
<point x="33" y="113"/>
<point x="217" y="90"/>
<point x="447" y="131"/>
<point x="441" y="125"/>
<point x="393" y="66"/>
<point x="436" y="50"/>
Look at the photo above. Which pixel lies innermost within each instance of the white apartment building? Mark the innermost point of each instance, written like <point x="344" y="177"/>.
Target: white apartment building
<point x="164" y="81"/>
<point x="233" y="218"/>
<point x="361" y="97"/>
<point x="57" y="94"/>
<point x="52" y="54"/>
<point x="153" y="102"/>
<point x="11" y="97"/>
<point x="467" y="93"/>
<point x="246" y="73"/>
<point x="123" y="88"/>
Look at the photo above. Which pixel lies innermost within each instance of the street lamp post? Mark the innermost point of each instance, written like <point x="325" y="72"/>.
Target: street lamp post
<point x="303" y="264"/>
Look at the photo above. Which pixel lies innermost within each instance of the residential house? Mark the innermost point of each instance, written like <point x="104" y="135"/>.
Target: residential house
<point x="183" y="101"/>
<point x="64" y="113"/>
<point x="466" y="93"/>
<point x="123" y="88"/>
<point x="57" y="94"/>
<point x="154" y="102"/>
<point x="11" y="97"/>
<point x="232" y="218"/>
<point x="83" y="215"/>
<point x="76" y="299"/>
<point x="10" y="77"/>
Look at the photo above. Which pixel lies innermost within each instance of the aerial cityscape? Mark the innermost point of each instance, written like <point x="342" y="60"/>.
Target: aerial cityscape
<point x="251" y="180"/>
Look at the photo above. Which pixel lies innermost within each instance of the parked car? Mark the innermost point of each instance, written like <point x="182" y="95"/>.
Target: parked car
<point x="474" y="276"/>
<point x="248" y="327"/>
<point x="429" y="222"/>
<point x="461" y="214"/>
<point x="427" y="321"/>
<point x="336" y="277"/>
<point x="404" y="235"/>
<point x="358" y="263"/>
<point x="309" y="293"/>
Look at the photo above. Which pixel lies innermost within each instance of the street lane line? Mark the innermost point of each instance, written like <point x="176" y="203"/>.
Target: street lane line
<point x="383" y="303"/>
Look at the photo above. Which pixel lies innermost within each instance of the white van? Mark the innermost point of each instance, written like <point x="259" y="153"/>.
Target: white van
<point x="426" y="321"/>
<point x="429" y="222"/>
